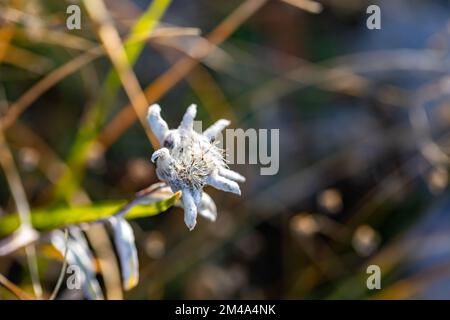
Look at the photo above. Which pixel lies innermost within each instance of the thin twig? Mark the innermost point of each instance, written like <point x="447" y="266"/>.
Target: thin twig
<point x="31" y="95"/>
<point x="23" y="208"/>
<point x="307" y="5"/>
<point x="34" y="270"/>
<point x="15" y="290"/>
<point x="51" y="79"/>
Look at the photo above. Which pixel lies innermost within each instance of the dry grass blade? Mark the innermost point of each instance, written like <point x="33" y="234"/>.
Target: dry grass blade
<point x="126" y="117"/>
<point x="25" y="100"/>
<point x="164" y="32"/>
<point x="15" y="290"/>
<point x="114" y="48"/>
<point x="49" y="163"/>
<point x="58" y="38"/>
<point x="51" y="79"/>
<point x="307" y="5"/>
<point x="203" y="84"/>
<point x="13" y="178"/>
<point x="26" y="60"/>
<point x="11" y="14"/>
<point x="20" y="199"/>
<point x="98" y="111"/>
<point x="6" y="33"/>
<point x="19" y="57"/>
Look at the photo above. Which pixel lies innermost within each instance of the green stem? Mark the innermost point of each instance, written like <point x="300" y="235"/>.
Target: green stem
<point x="55" y="218"/>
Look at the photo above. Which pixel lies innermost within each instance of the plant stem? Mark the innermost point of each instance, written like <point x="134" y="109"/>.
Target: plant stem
<point x="23" y="208"/>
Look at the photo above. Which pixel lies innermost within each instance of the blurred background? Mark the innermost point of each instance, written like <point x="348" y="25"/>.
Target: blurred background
<point x="364" y="119"/>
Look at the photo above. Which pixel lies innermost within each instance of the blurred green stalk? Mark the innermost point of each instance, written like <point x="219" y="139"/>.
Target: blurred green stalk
<point x="70" y="180"/>
<point x="59" y="217"/>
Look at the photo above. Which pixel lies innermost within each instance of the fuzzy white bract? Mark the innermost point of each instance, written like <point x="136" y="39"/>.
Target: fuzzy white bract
<point x="187" y="160"/>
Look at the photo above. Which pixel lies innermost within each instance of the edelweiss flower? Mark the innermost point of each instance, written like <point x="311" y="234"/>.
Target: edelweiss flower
<point x="188" y="160"/>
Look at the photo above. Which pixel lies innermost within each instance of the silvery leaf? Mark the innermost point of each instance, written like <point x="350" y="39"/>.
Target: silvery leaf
<point x="78" y="254"/>
<point x="20" y="238"/>
<point x="126" y="249"/>
<point x="207" y="207"/>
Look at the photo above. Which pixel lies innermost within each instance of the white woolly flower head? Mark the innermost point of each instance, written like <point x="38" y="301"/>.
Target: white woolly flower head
<point x="189" y="160"/>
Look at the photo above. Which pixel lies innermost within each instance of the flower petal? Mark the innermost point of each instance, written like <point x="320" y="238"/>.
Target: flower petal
<point x="213" y="131"/>
<point x="223" y="184"/>
<point x="190" y="209"/>
<point x="232" y="175"/>
<point x="188" y="119"/>
<point x="207" y="207"/>
<point x="157" y="124"/>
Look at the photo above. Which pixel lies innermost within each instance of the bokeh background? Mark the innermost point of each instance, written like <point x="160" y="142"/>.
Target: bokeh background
<point x="364" y="145"/>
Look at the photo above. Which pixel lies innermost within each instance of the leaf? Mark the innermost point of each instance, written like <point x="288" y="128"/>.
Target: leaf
<point x="126" y="250"/>
<point x="48" y="219"/>
<point x="21" y="237"/>
<point x="79" y="254"/>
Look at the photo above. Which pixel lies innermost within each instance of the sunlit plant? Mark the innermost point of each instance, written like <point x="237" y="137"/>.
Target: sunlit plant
<point x="186" y="163"/>
<point x="189" y="160"/>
